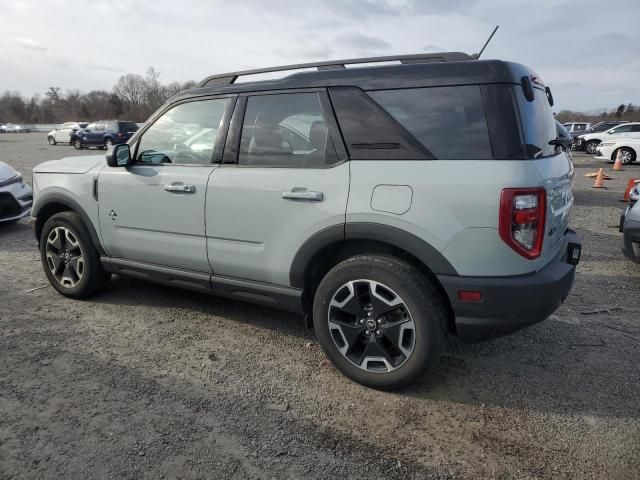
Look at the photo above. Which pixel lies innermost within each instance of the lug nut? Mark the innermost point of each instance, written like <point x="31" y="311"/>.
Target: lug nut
<point x="378" y="332"/>
<point x="369" y="314"/>
<point x="379" y="321"/>
<point x="361" y="322"/>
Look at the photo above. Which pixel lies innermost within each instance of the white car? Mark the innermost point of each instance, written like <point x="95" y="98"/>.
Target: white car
<point x="628" y="147"/>
<point x="590" y="141"/>
<point x="13" y="128"/>
<point x="15" y="195"/>
<point x="62" y="133"/>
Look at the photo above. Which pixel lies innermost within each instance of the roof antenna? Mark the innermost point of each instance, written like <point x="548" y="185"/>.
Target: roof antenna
<point x="477" y="55"/>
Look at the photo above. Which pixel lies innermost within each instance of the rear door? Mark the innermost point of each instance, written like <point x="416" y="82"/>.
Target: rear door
<point x="153" y="211"/>
<point x="284" y="178"/>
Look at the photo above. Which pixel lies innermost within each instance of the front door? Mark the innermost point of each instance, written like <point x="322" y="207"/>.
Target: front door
<point x="153" y="211"/>
<point x="288" y="181"/>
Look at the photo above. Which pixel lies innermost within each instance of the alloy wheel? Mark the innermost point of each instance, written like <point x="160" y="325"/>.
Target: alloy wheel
<point x="591" y="148"/>
<point x="65" y="257"/>
<point x="627" y="157"/>
<point x="371" y="326"/>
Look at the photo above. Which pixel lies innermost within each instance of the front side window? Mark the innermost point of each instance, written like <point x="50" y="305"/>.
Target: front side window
<point x="449" y="121"/>
<point x="186" y="134"/>
<point x="287" y="130"/>
<point x="91" y="127"/>
<point x="635" y="128"/>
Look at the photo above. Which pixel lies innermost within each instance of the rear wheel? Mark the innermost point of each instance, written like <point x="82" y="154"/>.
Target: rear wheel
<point x="77" y="144"/>
<point x="52" y="141"/>
<point x="379" y="320"/>
<point x="628" y="155"/>
<point x="591" y="146"/>
<point x="70" y="260"/>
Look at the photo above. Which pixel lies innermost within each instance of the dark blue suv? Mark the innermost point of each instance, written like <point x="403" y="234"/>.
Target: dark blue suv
<point x="103" y="133"/>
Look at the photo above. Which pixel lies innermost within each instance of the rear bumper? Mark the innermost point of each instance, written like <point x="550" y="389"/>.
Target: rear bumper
<point x="511" y="303"/>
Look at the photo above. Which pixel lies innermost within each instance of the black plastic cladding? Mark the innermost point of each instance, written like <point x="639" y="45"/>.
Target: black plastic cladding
<point x="382" y="77"/>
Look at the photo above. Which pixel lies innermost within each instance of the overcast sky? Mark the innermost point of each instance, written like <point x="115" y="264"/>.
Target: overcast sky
<point x="587" y="51"/>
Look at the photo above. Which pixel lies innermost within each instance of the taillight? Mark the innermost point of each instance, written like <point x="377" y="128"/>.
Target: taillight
<point x="522" y="219"/>
<point x="120" y="135"/>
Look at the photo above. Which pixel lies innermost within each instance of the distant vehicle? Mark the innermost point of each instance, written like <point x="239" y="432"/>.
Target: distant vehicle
<point x="63" y="132"/>
<point x="590" y="141"/>
<point x="103" y="134"/>
<point x="15" y="195"/>
<point x="628" y="147"/>
<point x="630" y="227"/>
<point x="577" y="128"/>
<point x="13" y="128"/>
<point x="604" y="126"/>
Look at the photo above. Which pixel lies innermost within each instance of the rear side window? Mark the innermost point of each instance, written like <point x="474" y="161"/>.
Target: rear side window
<point x="622" y="129"/>
<point x="448" y="121"/>
<point x="127" y="127"/>
<point x="635" y="128"/>
<point x="287" y="130"/>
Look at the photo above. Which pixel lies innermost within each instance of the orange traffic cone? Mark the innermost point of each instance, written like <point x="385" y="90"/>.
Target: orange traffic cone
<point x="618" y="165"/>
<point x="599" y="183"/>
<point x="630" y="185"/>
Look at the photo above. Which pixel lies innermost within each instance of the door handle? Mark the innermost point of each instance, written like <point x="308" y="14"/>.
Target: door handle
<point x="303" y="194"/>
<point x="180" y="188"/>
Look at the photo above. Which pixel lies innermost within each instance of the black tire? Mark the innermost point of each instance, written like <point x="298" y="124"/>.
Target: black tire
<point x="628" y="155"/>
<point x="108" y="143"/>
<point x="77" y="144"/>
<point x="590" y="146"/>
<point x="93" y="276"/>
<point x="424" y="306"/>
<point x="51" y="140"/>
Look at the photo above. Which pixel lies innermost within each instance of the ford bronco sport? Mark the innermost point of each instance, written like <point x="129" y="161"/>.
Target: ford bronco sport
<point x="391" y="204"/>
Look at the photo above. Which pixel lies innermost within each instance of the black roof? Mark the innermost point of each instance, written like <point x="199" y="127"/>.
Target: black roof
<point x="406" y="75"/>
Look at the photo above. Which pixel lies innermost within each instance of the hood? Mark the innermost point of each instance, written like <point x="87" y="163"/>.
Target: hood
<point x="70" y="164"/>
<point x="6" y="172"/>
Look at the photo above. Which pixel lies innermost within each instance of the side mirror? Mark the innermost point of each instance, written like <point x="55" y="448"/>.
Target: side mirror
<point x="119" y="156"/>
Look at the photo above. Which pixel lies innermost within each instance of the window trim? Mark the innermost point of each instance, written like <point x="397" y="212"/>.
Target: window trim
<point x="231" y="152"/>
<point x="134" y="141"/>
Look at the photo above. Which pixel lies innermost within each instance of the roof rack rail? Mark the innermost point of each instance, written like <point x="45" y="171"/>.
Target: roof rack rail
<point x="230" y="78"/>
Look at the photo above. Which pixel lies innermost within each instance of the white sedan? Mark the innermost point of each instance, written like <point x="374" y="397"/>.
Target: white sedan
<point x="15" y="195"/>
<point x="628" y="147"/>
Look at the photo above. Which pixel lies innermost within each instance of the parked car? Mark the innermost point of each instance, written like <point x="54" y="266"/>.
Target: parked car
<point x="630" y="228"/>
<point x="628" y="147"/>
<point x="13" y="128"/>
<point x="103" y="134"/>
<point x="390" y="204"/>
<point x="63" y="132"/>
<point x="563" y="140"/>
<point x="577" y="128"/>
<point x="15" y="195"/>
<point x="588" y="142"/>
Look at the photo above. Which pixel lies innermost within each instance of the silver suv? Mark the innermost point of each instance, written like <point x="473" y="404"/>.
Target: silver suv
<point x="391" y="204"/>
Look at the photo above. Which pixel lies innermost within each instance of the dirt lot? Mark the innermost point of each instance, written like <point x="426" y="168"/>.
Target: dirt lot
<point x="149" y="382"/>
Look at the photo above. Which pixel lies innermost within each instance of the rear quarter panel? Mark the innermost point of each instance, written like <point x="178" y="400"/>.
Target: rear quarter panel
<point x="454" y="207"/>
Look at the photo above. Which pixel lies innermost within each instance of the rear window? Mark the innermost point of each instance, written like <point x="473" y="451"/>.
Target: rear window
<point x="538" y="124"/>
<point x="448" y="121"/>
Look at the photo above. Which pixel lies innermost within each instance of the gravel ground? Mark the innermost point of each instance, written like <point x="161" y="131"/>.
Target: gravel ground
<point x="148" y="382"/>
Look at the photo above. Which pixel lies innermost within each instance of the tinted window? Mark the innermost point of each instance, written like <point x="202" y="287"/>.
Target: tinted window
<point x="621" y="129"/>
<point x="448" y="121"/>
<point x="635" y="128"/>
<point x="502" y="119"/>
<point x="186" y="134"/>
<point x="127" y="127"/>
<point x="285" y="130"/>
<point x="538" y="124"/>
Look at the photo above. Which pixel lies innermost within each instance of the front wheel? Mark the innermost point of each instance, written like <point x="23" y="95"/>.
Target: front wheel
<point x="628" y="155"/>
<point x="52" y="141"/>
<point x="591" y="146"/>
<point x="70" y="260"/>
<point x="108" y="143"/>
<point x="77" y="143"/>
<point x="380" y="321"/>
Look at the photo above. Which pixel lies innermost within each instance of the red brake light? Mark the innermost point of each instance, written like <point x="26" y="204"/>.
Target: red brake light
<point x="522" y="219"/>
